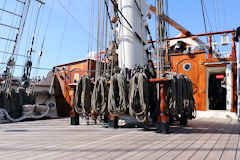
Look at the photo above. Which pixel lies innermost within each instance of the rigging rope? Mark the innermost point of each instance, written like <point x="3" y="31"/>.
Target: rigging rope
<point x="1" y="15"/>
<point x="63" y="34"/>
<point x="11" y="65"/>
<point x="29" y="33"/>
<point x="132" y="30"/>
<point x="15" y="49"/>
<point x="28" y="63"/>
<point x="35" y="29"/>
<point x="206" y="20"/>
<point x="204" y="17"/>
<point x="97" y="73"/>
<point x="3" y="7"/>
<point x="90" y="37"/>
<point x="11" y="35"/>
<point x="44" y="37"/>
<point x="139" y="9"/>
<point x="74" y="18"/>
<point x="103" y="35"/>
<point x="106" y="36"/>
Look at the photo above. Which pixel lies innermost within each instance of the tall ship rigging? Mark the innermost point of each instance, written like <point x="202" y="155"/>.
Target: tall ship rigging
<point x="17" y="94"/>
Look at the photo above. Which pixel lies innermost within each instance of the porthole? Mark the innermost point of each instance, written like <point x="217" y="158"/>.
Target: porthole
<point x="187" y="67"/>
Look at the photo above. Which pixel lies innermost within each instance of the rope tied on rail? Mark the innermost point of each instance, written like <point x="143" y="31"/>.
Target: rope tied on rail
<point x="180" y="97"/>
<point x="99" y="96"/>
<point x="82" y="103"/>
<point x="118" y="94"/>
<point x="189" y="105"/>
<point x="139" y="96"/>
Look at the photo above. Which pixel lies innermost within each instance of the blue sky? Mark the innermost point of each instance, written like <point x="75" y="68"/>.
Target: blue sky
<point x="67" y="36"/>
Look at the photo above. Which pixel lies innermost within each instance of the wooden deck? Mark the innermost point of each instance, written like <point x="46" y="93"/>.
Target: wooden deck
<point x="56" y="139"/>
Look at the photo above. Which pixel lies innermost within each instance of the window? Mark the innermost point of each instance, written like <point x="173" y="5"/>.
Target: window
<point x="187" y="67"/>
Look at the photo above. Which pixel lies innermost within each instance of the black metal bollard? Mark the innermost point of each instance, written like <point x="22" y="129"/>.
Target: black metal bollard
<point x="74" y="118"/>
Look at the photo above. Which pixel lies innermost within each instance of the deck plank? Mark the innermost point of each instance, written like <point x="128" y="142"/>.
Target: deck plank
<point x="230" y="149"/>
<point x="206" y="143"/>
<point x="187" y="145"/>
<point x="56" y="139"/>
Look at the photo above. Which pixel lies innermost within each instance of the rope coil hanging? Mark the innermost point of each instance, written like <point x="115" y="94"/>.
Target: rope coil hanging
<point x="139" y="96"/>
<point x="190" y="105"/>
<point x="99" y="96"/>
<point x="83" y="94"/>
<point x="118" y="97"/>
<point x="180" y="97"/>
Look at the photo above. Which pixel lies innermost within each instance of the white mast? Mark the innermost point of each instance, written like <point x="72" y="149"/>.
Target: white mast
<point x="132" y="33"/>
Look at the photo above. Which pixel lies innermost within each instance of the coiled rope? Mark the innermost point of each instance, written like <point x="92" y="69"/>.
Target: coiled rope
<point x="99" y="97"/>
<point x="180" y="97"/>
<point x="82" y="103"/>
<point x="139" y="96"/>
<point x="118" y="95"/>
<point x="189" y="102"/>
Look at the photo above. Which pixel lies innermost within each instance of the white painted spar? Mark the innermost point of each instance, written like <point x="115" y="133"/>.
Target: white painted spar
<point x="131" y="49"/>
<point x="229" y="86"/>
<point x="238" y="70"/>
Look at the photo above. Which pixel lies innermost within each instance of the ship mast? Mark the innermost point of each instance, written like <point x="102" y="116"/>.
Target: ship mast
<point x="161" y="35"/>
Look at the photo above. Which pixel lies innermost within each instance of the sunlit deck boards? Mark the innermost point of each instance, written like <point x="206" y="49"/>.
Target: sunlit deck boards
<point x="56" y="139"/>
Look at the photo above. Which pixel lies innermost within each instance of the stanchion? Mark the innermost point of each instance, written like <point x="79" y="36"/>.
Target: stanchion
<point x="163" y="119"/>
<point x="113" y="121"/>
<point x="74" y="117"/>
